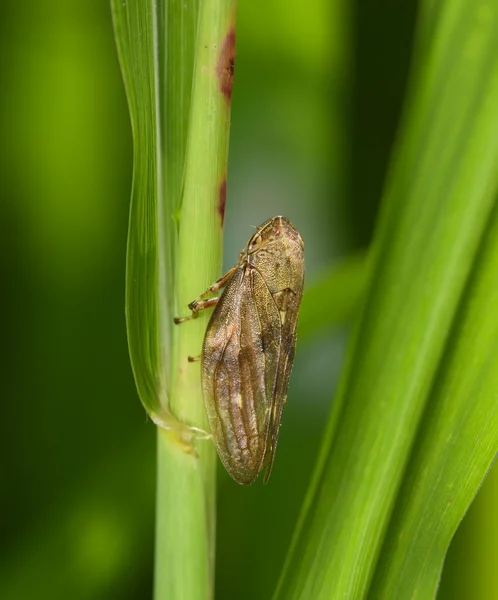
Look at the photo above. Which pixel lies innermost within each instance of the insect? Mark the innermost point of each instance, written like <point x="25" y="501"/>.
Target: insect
<point x="249" y="346"/>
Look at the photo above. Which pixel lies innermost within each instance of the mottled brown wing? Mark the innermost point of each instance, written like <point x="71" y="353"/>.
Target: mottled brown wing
<point x="239" y="369"/>
<point x="287" y="302"/>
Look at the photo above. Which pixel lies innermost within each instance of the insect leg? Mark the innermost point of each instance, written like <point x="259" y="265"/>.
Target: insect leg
<point x="214" y="287"/>
<point x="195" y="307"/>
<point x="200" y="303"/>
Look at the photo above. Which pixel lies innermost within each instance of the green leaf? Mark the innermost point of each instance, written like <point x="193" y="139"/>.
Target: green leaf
<point x="456" y="443"/>
<point x="437" y="206"/>
<point x="156" y="50"/>
<point x="177" y="62"/>
<point x="147" y="310"/>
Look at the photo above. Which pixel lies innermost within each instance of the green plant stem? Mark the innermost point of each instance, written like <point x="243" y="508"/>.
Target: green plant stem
<point x="185" y="500"/>
<point x="186" y="508"/>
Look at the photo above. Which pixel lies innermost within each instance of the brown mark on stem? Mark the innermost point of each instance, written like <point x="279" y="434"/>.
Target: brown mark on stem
<point x="226" y="64"/>
<point x="222" y="200"/>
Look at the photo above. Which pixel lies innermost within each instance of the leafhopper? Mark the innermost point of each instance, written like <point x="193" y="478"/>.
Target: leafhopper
<point x="249" y="347"/>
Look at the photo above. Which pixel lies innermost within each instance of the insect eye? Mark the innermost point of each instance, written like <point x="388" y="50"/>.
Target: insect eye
<point x="255" y="242"/>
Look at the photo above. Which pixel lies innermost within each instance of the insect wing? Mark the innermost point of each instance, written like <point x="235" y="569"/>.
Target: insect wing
<point x="288" y="303"/>
<point x="240" y="360"/>
<point x="279" y="258"/>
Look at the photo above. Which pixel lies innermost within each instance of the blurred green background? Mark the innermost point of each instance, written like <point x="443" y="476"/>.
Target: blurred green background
<point x="317" y="98"/>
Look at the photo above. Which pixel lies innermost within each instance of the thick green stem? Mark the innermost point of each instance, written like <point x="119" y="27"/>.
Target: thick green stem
<point x="184" y="519"/>
<point x="186" y="507"/>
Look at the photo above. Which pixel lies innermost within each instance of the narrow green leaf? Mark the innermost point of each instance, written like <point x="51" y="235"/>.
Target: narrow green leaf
<point x="436" y="207"/>
<point x="177" y="30"/>
<point x="156" y="42"/>
<point x="147" y="314"/>
<point x="457" y="442"/>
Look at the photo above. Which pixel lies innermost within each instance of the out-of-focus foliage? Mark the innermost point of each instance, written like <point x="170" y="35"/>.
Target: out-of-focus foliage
<point x="318" y="90"/>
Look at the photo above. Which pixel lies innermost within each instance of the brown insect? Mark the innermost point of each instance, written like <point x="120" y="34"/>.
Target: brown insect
<point x="249" y="347"/>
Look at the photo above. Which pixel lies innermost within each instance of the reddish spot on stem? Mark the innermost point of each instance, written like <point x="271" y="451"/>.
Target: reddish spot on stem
<point x="226" y="64"/>
<point x="223" y="200"/>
